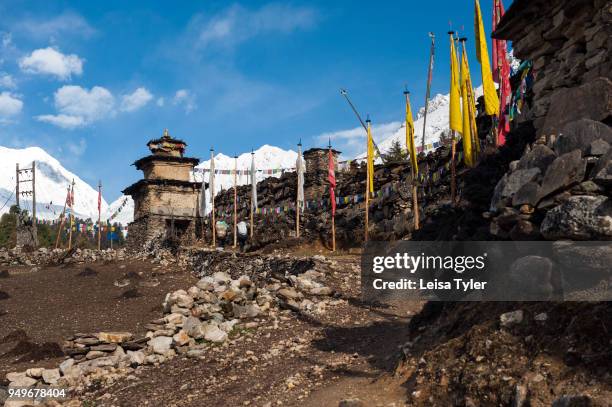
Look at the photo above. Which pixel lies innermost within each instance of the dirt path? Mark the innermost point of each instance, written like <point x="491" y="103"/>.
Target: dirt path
<point x="290" y="359"/>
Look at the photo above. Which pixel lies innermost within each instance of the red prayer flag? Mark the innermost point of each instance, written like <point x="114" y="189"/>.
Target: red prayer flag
<point x="332" y="182"/>
<point x="501" y="74"/>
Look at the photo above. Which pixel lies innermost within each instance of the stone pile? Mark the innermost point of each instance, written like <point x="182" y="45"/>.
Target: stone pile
<point x="559" y="189"/>
<point x="43" y="256"/>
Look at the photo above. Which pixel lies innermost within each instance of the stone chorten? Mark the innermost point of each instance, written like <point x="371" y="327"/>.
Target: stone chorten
<point x="166" y="200"/>
<point x="317" y="166"/>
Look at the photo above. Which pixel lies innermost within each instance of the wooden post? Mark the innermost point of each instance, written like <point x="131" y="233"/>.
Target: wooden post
<point x="212" y="196"/>
<point x="62" y="220"/>
<point x="72" y="217"/>
<point x="99" y="216"/>
<point x="453" y="169"/>
<point x="17" y="187"/>
<point x="297" y="197"/>
<point x="253" y="181"/>
<point x="34" y="194"/>
<point x="235" y="201"/>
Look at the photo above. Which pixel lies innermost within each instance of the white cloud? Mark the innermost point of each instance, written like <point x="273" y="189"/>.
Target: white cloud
<point x="7" y="81"/>
<point x="10" y="105"/>
<point x="50" y="28"/>
<point x="136" y="100"/>
<point x="62" y="120"/>
<point x="78" y="106"/>
<point x="160" y="102"/>
<point x="184" y="98"/>
<point x="50" y="61"/>
<point x="353" y="141"/>
<point x="237" y="24"/>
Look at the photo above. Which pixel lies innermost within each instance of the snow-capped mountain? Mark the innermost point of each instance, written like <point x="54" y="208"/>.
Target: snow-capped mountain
<point x="437" y="124"/>
<point x="52" y="181"/>
<point x="125" y="215"/>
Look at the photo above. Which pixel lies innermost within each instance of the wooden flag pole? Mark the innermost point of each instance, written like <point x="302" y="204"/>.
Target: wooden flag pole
<point x="235" y="202"/>
<point x="453" y="169"/>
<point x="415" y="201"/>
<point x="62" y="220"/>
<point x="212" y="196"/>
<point x="71" y="217"/>
<point x="252" y="201"/>
<point x="297" y="200"/>
<point x="99" y="220"/>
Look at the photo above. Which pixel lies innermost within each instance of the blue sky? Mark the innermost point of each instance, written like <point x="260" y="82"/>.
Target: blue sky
<point x="91" y="82"/>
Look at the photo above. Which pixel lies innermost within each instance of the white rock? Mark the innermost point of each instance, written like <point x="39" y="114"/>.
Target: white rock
<point x="213" y="333"/>
<point x="35" y="372"/>
<point x="66" y="364"/>
<point x="136" y="357"/>
<point x="160" y="344"/>
<point x="541" y="317"/>
<point x="511" y="318"/>
<point x="221" y="278"/>
<point x="51" y="376"/>
<point x="181" y="338"/>
<point x="228" y="326"/>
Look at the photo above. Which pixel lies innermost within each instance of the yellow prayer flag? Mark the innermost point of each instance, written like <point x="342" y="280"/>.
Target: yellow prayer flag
<point x="468" y="157"/>
<point x="455" y="104"/>
<point x="482" y="54"/>
<point x="410" y="145"/>
<point x="370" y="160"/>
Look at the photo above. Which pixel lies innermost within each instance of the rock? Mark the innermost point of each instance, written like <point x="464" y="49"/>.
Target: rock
<point x="527" y="194"/>
<point x="539" y="157"/>
<point x="572" y="401"/>
<point x="35" y="372"/>
<point x="598" y="147"/>
<point x="221" y="278"/>
<point x="532" y="277"/>
<point x="174" y="318"/>
<point x="354" y="402"/>
<point x="595" y="98"/>
<point x="289" y="294"/>
<point x="110" y="347"/>
<point x="181" y="338"/>
<point x="593" y="256"/>
<point x="189" y="323"/>
<point x="580" y="134"/>
<point x="94" y="354"/>
<point x="509" y="319"/>
<point x="323" y="291"/>
<point x="20" y="380"/>
<point x="66" y="364"/>
<point x="115" y="337"/>
<point x="565" y="171"/>
<point x="541" y="317"/>
<point x="136" y="357"/>
<point x="524" y="230"/>
<point x="206" y="284"/>
<point x="213" y="333"/>
<point x="246" y="311"/>
<point x="510" y="184"/>
<point x="602" y="172"/>
<point x="160" y="344"/>
<point x="580" y="217"/>
<point x="51" y="376"/>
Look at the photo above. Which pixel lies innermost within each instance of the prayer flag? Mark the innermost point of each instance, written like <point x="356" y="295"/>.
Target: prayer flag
<point x="455" y="120"/>
<point x="482" y="54"/>
<point x="331" y="174"/>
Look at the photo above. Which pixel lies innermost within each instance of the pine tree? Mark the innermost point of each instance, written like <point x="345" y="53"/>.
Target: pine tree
<point x="396" y="153"/>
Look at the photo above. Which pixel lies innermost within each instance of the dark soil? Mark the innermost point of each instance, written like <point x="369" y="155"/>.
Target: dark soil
<point x="42" y="308"/>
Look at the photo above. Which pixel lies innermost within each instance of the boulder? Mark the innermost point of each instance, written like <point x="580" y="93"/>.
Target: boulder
<point x="510" y="184"/>
<point x="580" y="134"/>
<point x="531" y="278"/>
<point x="565" y="171"/>
<point x="581" y="217"/>
<point x="527" y="194"/>
<point x="20" y="380"/>
<point x="539" y="157"/>
<point x="160" y="344"/>
<point x="66" y="364"/>
<point x="598" y="147"/>
<point x="595" y="103"/>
